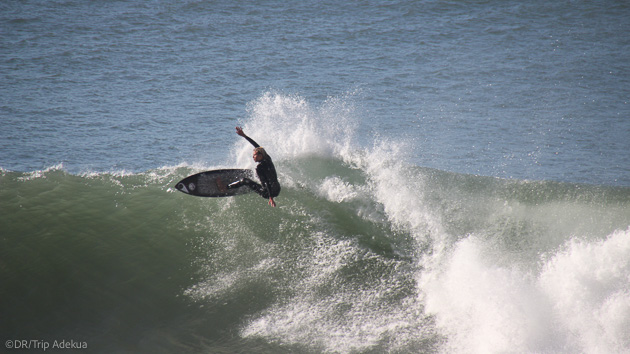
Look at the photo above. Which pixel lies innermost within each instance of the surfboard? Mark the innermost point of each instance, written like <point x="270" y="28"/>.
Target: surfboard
<point x="214" y="183"/>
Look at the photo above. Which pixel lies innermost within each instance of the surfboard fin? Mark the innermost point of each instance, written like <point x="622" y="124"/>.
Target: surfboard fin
<point x="235" y="184"/>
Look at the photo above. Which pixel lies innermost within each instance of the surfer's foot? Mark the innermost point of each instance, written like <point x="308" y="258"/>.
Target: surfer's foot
<point x="235" y="184"/>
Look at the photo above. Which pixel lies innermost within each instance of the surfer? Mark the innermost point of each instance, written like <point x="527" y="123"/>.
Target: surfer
<point x="266" y="171"/>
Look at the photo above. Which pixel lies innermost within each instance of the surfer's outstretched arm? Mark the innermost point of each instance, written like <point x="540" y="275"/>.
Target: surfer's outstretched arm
<point x="266" y="171"/>
<point x="240" y="132"/>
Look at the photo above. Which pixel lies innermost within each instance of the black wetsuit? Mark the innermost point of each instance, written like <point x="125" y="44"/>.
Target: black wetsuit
<point x="266" y="171"/>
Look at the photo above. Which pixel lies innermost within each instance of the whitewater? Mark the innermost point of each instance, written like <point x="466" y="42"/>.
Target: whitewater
<point x="366" y="252"/>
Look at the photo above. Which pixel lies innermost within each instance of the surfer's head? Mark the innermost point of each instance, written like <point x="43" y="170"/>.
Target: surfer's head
<point x="259" y="154"/>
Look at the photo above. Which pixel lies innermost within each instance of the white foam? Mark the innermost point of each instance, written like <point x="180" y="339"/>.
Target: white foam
<point x="42" y="173"/>
<point x="398" y="190"/>
<point x="337" y="190"/>
<point x="578" y="302"/>
<point x="486" y="308"/>
<point x="225" y="282"/>
<point x="588" y="284"/>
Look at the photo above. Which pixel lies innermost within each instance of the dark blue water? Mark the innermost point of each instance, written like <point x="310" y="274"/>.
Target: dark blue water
<point x="455" y="175"/>
<point x="532" y="91"/>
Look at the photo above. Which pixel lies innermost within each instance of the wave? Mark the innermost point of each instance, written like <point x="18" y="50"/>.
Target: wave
<point x="365" y="252"/>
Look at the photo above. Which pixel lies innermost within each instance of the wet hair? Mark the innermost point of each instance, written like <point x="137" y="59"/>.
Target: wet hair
<point x="262" y="151"/>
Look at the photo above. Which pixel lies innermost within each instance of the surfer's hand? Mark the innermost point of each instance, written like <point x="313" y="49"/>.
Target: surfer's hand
<point x="239" y="131"/>
<point x="272" y="203"/>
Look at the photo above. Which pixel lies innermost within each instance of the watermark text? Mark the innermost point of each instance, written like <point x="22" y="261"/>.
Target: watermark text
<point x="39" y="344"/>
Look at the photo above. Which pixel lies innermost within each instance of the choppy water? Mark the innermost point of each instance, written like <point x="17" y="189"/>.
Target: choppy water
<point x="455" y="176"/>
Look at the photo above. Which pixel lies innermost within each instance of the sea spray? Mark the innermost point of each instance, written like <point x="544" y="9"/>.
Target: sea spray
<point x="288" y="126"/>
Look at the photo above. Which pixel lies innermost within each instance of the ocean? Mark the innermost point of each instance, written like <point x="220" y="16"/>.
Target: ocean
<point x="455" y="176"/>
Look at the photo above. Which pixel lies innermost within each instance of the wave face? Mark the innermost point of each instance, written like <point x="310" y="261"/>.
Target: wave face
<point x="366" y="252"/>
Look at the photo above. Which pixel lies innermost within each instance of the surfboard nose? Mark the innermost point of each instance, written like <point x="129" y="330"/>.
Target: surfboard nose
<point x="182" y="188"/>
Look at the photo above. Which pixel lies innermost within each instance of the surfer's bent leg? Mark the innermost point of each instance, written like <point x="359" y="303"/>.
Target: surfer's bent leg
<point x="256" y="187"/>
